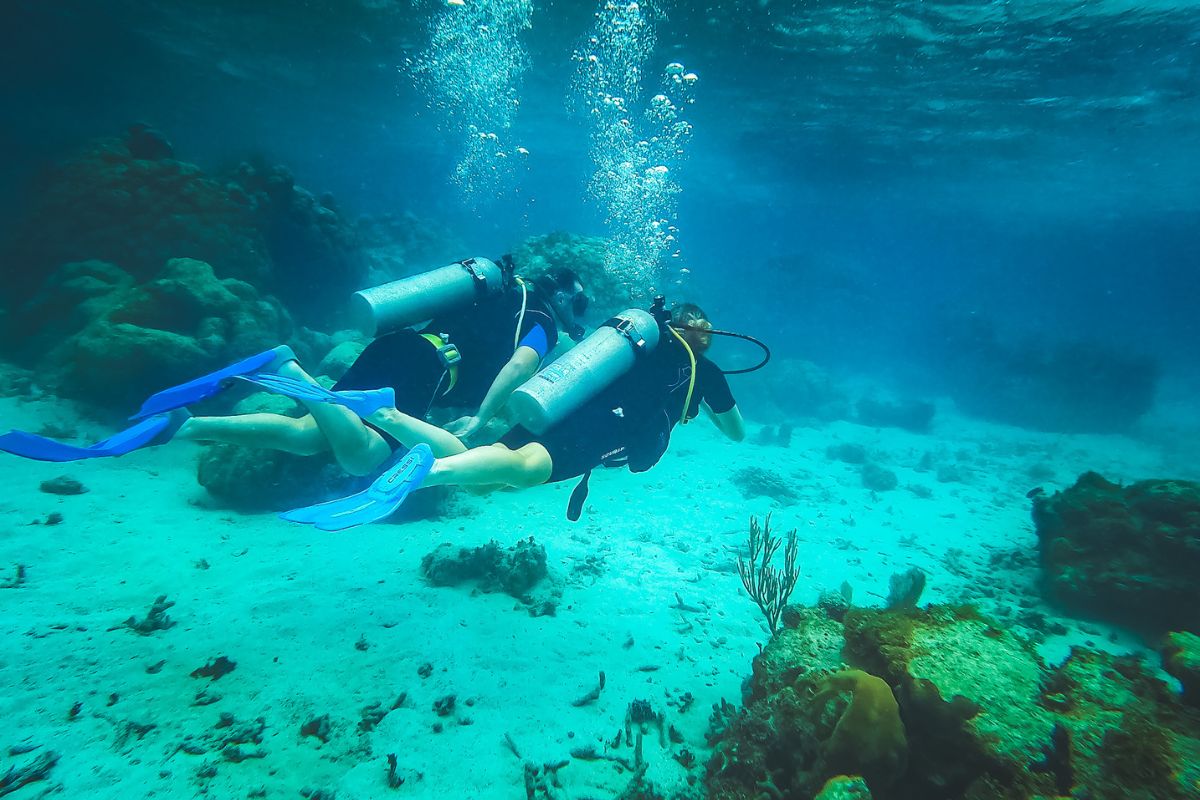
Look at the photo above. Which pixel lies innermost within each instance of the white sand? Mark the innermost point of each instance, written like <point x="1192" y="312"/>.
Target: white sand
<point x="288" y="604"/>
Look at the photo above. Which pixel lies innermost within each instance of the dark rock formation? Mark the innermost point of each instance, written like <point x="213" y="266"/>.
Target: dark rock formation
<point x="913" y="415"/>
<point x="314" y="249"/>
<point x="797" y="389"/>
<point x="1181" y="659"/>
<point x="1067" y="386"/>
<point x="107" y="204"/>
<point x="514" y="570"/>
<point x="1128" y="554"/>
<point x="520" y="571"/>
<point x="98" y="335"/>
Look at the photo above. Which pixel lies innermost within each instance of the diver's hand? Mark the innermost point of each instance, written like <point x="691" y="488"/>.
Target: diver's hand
<point x="465" y="427"/>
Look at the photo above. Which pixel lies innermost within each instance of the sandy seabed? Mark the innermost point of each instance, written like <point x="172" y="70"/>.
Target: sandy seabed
<point x="330" y="624"/>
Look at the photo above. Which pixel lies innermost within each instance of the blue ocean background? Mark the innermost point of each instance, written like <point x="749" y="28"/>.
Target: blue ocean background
<point x="1028" y="163"/>
<point x="967" y="231"/>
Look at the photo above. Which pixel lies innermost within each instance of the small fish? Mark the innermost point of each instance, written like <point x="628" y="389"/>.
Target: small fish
<point x="1036" y="491"/>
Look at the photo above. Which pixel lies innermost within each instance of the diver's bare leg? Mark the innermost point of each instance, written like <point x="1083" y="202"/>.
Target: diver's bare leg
<point x="358" y="449"/>
<point x="493" y="464"/>
<point x="410" y="431"/>
<point x="267" y="431"/>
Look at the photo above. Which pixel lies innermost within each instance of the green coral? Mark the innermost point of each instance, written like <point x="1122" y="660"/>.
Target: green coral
<point x="1181" y="659"/>
<point x="869" y="738"/>
<point x="844" y="787"/>
<point x="984" y="718"/>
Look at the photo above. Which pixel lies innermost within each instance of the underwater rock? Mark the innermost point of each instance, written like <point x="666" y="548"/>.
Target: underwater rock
<point x="1015" y="729"/>
<point x="848" y="452"/>
<point x="267" y="480"/>
<point x="397" y="245"/>
<point x="798" y="390"/>
<point x="1065" y="386"/>
<point x="755" y="482"/>
<point x="137" y="339"/>
<point x="315" y="251"/>
<point x="538" y="255"/>
<point x="1127" y="554"/>
<point x="129" y="203"/>
<point x="877" y="478"/>
<point x="107" y="204"/>
<point x="915" y="416"/>
<point x="515" y="570"/>
<point x="338" y="360"/>
<point x="63" y="484"/>
<point x="1181" y="659"/>
<point x="145" y="142"/>
<point x="71" y="298"/>
<point x="808" y="643"/>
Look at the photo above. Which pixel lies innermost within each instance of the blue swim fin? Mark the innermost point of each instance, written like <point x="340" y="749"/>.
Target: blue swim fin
<point x="379" y="500"/>
<point x="149" y="432"/>
<point x="364" y="403"/>
<point x="207" y="385"/>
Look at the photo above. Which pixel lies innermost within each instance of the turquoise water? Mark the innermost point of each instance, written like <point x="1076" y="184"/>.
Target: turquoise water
<point x="966" y="232"/>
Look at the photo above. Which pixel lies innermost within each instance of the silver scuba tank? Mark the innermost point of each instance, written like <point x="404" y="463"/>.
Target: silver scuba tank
<point x="394" y="305"/>
<point x="584" y="370"/>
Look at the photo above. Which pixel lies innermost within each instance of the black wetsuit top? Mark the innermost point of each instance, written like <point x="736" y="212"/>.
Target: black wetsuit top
<point x="484" y="335"/>
<point x="629" y="423"/>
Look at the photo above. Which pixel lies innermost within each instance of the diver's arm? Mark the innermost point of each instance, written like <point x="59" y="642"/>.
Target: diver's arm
<point x="520" y="368"/>
<point x="728" y="422"/>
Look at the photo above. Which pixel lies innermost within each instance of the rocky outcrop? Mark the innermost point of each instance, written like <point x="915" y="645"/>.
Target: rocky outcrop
<point x="944" y="702"/>
<point x="1126" y="554"/>
<point x="98" y="335"/>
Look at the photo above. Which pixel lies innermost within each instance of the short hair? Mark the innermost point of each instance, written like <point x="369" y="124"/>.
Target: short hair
<point x="558" y="279"/>
<point x="683" y="311"/>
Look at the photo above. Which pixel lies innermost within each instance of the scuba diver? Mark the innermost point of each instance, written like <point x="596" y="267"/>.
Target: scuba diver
<point x="612" y="401"/>
<point x="490" y="331"/>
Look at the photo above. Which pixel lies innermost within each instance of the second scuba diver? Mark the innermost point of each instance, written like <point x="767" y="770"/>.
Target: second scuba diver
<point x="490" y="331"/>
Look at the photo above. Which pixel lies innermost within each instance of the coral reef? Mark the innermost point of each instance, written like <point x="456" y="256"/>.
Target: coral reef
<point x="516" y="570"/>
<point x="96" y="334"/>
<point x="1128" y="554"/>
<point x="758" y="482"/>
<point x="131" y="204"/>
<point x="877" y="478"/>
<point x="844" y="787"/>
<point x="106" y="204"/>
<point x="585" y="254"/>
<point x="769" y="586"/>
<point x="868" y="738"/>
<point x="981" y="716"/>
<point x="156" y="618"/>
<point x="309" y="241"/>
